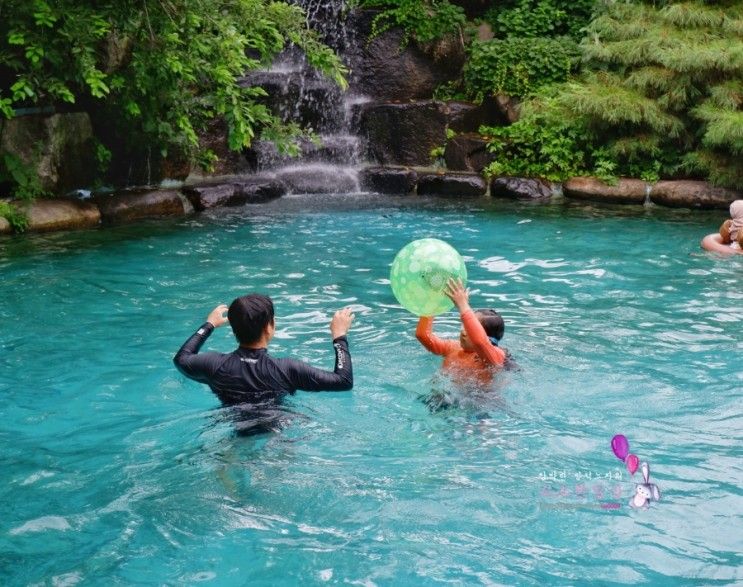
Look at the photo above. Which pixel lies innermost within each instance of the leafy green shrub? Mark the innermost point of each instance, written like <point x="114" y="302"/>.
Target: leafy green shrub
<point x="17" y="219"/>
<point x="518" y="67"/>
<point x="22" y="178"/>
<point x="453" y="90"/>
<point x="23" y="184"/>
<point x="160" y="70"/>
<point x="539" y="144"/>
<point x="551" y="142"/>
<point x="540" y="18"/>
<point x="423" y="20"/>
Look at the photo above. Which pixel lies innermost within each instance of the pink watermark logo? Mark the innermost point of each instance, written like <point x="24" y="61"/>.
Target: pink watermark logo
<point x="646" y="491"/>
<point x="581" y="490"/>
<point x="598" y="490"/>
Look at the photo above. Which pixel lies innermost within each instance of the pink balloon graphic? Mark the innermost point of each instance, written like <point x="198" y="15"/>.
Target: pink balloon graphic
<point x="620" y="446"/>
<point x="632" y="463"/>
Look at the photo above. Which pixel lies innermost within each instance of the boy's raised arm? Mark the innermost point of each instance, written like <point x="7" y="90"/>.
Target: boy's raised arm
<point x="424" y="334"/>
<point x="491" y="355"/>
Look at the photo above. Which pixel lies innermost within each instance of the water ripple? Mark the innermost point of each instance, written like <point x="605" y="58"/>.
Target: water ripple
<point x="120" y="470"/>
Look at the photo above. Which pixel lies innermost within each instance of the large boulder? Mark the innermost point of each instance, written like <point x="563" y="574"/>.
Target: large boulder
<point x="319" y="179"/>
<point x="467" y="152"/>
<point x="626" y="191"/>
<point x="520" y="188"/>
<point x="60" y="214"/>
<point x="245" y="191"/>
<point x="57" y="147"/>
<point x="463" y="185"/>
<point x="385" y="68"/>
<point x="508" y="106"/>
<point x="404" y="134"/>
<point x="136" y="205"/>
<point x="5" y="227"/>
<point x="388" y="180"/>
<point x="692" y="194"/>
<point x="466" y="117"/>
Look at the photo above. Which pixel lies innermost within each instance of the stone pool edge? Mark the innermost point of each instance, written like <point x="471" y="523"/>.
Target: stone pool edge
<point x="132" y="205"/>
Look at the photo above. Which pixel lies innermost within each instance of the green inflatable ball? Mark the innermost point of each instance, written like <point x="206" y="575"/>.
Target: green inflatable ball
<point x="420" y="272"/>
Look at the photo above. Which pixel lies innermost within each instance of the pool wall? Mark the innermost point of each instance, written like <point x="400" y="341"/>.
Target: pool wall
<point x="48" y="215"/>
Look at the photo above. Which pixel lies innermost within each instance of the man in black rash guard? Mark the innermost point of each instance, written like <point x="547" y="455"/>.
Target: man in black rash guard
<point x="249" y="375"/>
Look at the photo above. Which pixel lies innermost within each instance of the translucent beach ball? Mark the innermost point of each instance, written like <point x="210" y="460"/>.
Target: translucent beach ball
<point x="420" y="272"/>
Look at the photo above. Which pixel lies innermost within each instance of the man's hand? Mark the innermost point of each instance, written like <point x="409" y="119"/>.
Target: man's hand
<point x="341" y="322"/>
<point x="217" y="316"/>
<point x="457" y="293"/>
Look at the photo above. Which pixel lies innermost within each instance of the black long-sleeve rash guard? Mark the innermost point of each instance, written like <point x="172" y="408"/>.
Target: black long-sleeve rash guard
<point x="253" y="376"/>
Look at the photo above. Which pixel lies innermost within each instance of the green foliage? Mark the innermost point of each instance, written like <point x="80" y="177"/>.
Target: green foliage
<point x="24" y="185"/>
<point x="437" y="152"/>
<point x="534" y="46"/>
<point x="663" y="96"/>
<point x="540" y="18"/>
<point x="23" y="178"/>
<point x="422" y="20"/>
<point x="450" y="91"/>
<point x="664" y="90"/>
<point x="161" y="70"/>
<point x="102" y="156"/>
<point x="608" y="98"/>
<point x="547" y="142"/>
<point x="17" y="219"/>
<point x="539" y="144"/>
<point x="519" y="66"/>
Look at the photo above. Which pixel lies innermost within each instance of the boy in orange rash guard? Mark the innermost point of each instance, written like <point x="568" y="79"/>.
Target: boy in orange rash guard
<point x="474" y="353"/>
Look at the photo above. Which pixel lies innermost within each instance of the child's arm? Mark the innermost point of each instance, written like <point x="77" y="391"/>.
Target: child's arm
<point x="424" y="334"/>
<point x="489" y="353"/>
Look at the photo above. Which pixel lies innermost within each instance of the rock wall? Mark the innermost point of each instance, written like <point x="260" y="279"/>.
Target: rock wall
<point x="135" y="205"/>
<point x="57" y="147"/>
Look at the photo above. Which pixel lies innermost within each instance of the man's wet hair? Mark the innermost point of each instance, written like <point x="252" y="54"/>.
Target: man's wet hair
<point x="249" y="315"/>
<point x="492" y="322"/>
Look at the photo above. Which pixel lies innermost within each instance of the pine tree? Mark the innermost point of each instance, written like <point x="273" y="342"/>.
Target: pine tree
<point x="664" y="87"/>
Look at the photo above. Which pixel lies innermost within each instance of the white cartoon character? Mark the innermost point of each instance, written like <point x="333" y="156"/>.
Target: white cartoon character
<point x="645" y="492"/>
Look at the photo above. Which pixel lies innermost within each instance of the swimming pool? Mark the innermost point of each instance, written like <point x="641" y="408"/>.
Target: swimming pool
<point x="119" y="470"/>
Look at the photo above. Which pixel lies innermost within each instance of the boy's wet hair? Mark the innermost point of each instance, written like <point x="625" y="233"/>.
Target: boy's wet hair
<point x="249" y="315"/>
<point x="492" y="322"/>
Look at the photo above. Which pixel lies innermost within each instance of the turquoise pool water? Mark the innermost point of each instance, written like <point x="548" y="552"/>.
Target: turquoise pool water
<point x="117" y="470"/>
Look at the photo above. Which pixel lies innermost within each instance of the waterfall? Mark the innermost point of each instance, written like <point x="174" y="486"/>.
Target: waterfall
<point x="298" y="93"/>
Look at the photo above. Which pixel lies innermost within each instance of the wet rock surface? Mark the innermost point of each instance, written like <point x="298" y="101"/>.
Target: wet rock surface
<point x="520" y="188"/>
<point x="451" y="185"/>
<point x="388" y="180"/>
<point x="60" y="214"/>
<point x="388" y="69"/>
<point x="318" y="179"/>
<point x="125" y="207"/>
<point x="692" y="194"/>
<point x="404" y="134"/>
<point x="467" y="152"/>
<point x="626" y="191"/>
<point x="237" y="193"/>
